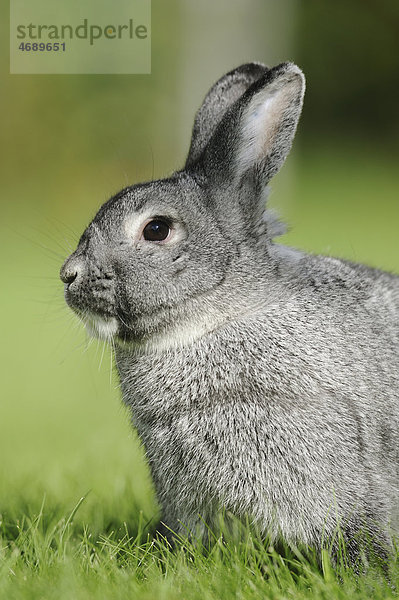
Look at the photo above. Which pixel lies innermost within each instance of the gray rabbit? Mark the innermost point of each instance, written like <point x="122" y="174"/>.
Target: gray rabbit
<point x="262" y="380"/>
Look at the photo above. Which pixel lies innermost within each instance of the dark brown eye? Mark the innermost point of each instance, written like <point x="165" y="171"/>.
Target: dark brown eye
<point x="156" y="231"/>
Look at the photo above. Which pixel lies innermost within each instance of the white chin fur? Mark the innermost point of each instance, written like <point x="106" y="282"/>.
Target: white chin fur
<point x="99" y="327"/>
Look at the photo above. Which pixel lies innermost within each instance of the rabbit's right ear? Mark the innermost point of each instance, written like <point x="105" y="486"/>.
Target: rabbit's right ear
<point x="219" y="98"/>
<point x="252" y="140"/>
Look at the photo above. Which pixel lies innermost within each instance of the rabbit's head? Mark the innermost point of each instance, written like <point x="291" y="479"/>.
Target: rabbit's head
<point x="154" y="246"/>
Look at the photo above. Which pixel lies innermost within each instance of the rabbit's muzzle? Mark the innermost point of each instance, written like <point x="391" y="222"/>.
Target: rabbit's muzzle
<point x="89" y="288"/>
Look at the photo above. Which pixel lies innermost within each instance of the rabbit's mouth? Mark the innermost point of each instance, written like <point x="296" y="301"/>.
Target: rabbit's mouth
<point x="99" y="319"/>
<point x="102" y="326"/>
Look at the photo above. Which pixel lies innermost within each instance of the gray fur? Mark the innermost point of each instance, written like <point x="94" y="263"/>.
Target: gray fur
<point x="261" y="379"/>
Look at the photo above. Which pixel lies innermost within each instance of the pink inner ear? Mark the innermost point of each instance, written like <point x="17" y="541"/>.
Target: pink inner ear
<point x="258" y="130"/>
<point x="263" y="120"/>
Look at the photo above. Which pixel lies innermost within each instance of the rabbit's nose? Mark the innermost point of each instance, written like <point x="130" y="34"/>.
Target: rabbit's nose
<point x="70" y="270"/>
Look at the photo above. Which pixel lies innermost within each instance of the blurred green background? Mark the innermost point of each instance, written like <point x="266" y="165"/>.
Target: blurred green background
<point x="69" y="142"/>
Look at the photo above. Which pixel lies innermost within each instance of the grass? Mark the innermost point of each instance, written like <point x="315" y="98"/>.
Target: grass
<point x="64" y="435"/>
<point x="46" y="556"/>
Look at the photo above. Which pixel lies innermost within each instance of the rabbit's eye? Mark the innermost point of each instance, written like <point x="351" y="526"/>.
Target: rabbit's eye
<point x="156" y="231"/>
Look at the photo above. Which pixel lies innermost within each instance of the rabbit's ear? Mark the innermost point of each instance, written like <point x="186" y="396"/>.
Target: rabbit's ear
<point x="255" y="135"/>
<point x="219" y="98"/>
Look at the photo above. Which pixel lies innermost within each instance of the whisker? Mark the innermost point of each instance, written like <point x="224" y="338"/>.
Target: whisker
<point x="102" y="355"/>
<point x="112" y="351"/>
<point x="125" y="324"/>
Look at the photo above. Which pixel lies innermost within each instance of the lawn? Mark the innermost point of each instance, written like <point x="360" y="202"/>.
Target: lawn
<point x="76" y="502"/>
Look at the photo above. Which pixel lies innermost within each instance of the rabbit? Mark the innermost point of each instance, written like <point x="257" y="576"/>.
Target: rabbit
<point x="263" y="381"/>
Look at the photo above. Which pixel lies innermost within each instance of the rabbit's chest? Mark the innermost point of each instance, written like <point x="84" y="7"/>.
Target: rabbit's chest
<point x="205" y="418"/>
<point x="230" y="370"/>
<point x="189" y="406"/>
<point x="221" y="432"/>
<point x="198" y="436"/>
<point x="170" y="390"/>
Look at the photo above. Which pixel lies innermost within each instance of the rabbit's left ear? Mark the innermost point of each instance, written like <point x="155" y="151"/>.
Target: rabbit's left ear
<point x="255" y="135"/>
